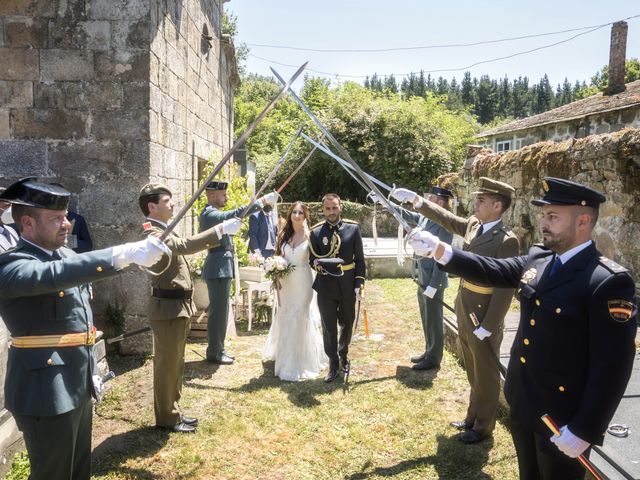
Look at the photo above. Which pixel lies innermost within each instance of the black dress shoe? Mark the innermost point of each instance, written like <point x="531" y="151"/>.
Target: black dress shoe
<point x="189" y="421"/>
<point x="425" y="365"/>
<point x="471" y="436"/>
<point x="182" y="427"/>
<point x="223" y="359"/>
<point x="417" y="358"/>
<point x="463" y="425"/>
<point x="331" y="376"/>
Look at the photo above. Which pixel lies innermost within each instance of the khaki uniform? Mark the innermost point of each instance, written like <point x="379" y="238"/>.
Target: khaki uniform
<point x="489" y="305"/>
<point x="169" y="311"/>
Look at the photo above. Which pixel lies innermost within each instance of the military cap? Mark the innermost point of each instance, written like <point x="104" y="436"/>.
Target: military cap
<point x="442" y="192"/>
<point x="217" y="186"/>
<point x="154" y="189"/>
<point x="488" y="185"/>
<point x="558" y="191"/>
<point x="35" y="194"/>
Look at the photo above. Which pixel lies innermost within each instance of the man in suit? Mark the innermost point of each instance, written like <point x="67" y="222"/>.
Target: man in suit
<point x="573" y="353"/>
<point x="171" y="305"/>
<point x="218" y="267"/>
<point x="484" y="233"/>
<point x="262" y="232"/>
<point x="337" y="255"/>
<point x="8" y="236"/>
<point x="431" y="284"/>
<point x="52" y="372"/>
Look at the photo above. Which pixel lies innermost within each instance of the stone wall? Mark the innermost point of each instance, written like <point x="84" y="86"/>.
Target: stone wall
<point x="610" y="163"/>
<point x="607" y="122"/>
<point x="104" y="96"/>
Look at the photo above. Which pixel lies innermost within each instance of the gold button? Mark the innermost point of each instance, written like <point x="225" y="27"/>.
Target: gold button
<point x="49" y="362"/>
<point x="479" y="306"/>
<point x="61" y="294"/>
<point x="99" y="268"/>
<point x="537" y="302"/>
<point x="561" y="388"/>
<point x="526" y="341"/>
<point x="558" y="310"/>
<point x="207" y="245"/>
<point x="523" y="360"/>
<point x="532" y="322"/>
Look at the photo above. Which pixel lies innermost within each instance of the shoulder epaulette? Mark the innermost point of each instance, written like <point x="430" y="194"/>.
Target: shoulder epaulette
<point x="346" y="220"/>
<point x="317" y="224"/>
<point x="611" y="265"/>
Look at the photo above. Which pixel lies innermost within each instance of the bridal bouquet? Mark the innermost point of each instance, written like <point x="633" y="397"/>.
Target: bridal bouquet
<point x="255" y="259"/>
<point x="275" y="268"/>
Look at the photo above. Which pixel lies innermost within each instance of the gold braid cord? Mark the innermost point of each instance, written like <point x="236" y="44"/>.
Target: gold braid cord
<point x="336" y="241"/>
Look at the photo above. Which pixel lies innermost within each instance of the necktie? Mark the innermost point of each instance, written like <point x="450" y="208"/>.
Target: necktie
<point x="557" y="263"/>
<point x="7" y="235"/>
<point x="479" y="232"/>
<point x="55" y="255"/>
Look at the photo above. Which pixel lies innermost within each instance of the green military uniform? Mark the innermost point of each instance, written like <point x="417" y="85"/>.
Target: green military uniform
<point x="48" y="386"/>
<point x="169" y="311"/>
<point x="490" y="305"/>
<point x="218" y="273"/>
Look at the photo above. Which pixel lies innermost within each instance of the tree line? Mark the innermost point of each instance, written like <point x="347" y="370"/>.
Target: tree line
<point x="496" y="100"/>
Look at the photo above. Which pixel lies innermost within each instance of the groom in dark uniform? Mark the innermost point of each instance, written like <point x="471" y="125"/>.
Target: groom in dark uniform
<point x="336" y="254"/>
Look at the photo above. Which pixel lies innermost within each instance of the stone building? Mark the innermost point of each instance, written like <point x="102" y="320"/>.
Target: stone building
<point x="616" y="108"/>
<point x="106" y="95"/>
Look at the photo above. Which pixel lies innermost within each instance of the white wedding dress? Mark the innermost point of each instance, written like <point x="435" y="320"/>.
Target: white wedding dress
<point x="295" y="337"/>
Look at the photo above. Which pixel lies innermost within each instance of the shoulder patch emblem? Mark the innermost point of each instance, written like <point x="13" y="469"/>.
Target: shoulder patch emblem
<point x="346" y="220"/>
<point x="611" y="265"/>
<point x="620" y="310"/>
<point x="146" y="225"/>
<point x="529" y="275"/>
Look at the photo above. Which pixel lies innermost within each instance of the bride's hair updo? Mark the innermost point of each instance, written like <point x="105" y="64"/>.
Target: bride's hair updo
<point x="287" y="231"/>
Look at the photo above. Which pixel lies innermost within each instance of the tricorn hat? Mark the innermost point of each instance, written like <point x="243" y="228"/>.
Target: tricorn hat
<point x="558" y="191"/>
<point x="36" y="194"/>
<point x="217" y="186"/>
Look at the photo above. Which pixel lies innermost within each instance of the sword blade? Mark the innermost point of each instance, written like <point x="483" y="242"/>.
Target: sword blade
<point x="240" y="141"/>
<point x="344" y="154"/>
<point x="295" y="172"/>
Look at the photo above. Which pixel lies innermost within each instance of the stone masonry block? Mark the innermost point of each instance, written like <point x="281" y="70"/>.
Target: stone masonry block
<point x="94" y="96"/>
<point x="93" y="35"/>
<point x="48" y="95"/>
<point x="123" y="65"/>
<point x="120" y="10"/>
<point x="134" y="158"/>
<point x="66" y="65"/>
<point x="29" y="8"/>
<point x="18" y="64"/>
<point x="73" y="158"/>
<point x="16" y="94"/>
<point x="26" y="32"/>
<point x="53" y="124"/>
<point x="23" y="158"/>
<point x="136" y="94"/>
<point x="131" y="35"/>
<point x="125" y="125"/>
<point x="5" y="132"/>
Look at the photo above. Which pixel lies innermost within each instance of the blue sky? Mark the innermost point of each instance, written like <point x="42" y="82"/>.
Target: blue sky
<point x="375" y="24"/>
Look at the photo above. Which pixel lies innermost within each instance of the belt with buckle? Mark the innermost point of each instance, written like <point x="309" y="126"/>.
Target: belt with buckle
<point x="177" y="294"/>
<point x="79" y="339"/>
<point x="476" y="288"/>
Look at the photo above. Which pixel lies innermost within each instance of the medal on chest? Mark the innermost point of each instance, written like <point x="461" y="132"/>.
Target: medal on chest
<point x="325" y="241"/>
<point x="529" y="275"/>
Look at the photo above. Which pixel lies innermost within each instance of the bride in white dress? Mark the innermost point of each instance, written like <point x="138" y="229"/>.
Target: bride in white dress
<point x="295" y="337"/>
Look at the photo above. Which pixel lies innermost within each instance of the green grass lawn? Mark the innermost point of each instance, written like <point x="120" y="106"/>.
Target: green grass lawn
<point x="391" y="422"/>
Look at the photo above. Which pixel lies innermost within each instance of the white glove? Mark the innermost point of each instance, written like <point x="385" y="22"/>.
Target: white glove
<point x="98" y="387"/>
<point x="403" y="195"/>
<point x="429" y="292"/>
<point x="481" y="333"/>
<point x="269" y="198"/>
<point x="6" y="217"/>
<point x="145" y="253"/>
<point x="358" y="291"/>
<point x="231" y="226"/>
<point x="423" y="243"/>
<point x="568" y="443"/>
